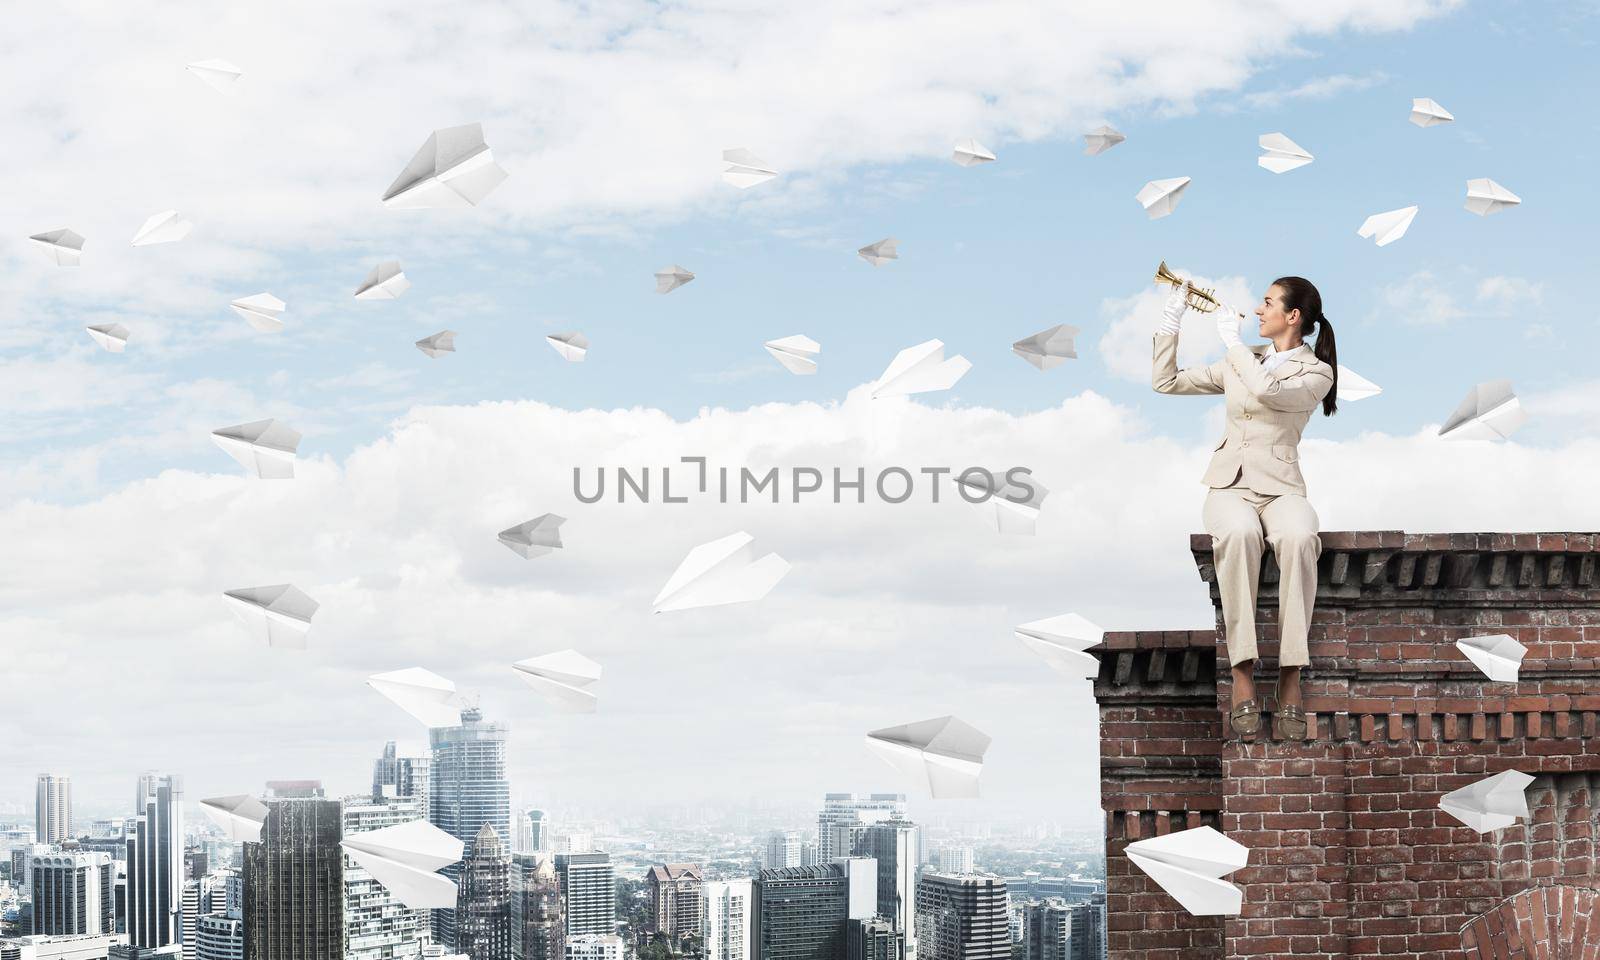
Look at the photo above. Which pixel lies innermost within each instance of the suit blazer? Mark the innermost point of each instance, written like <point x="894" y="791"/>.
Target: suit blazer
<point x="1266" y="411"/>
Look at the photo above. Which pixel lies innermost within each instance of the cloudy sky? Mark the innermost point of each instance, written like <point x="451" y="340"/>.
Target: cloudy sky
<point x="123" y="524"/>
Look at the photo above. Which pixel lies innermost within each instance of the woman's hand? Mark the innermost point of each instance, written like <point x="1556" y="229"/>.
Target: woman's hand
<point x="1228" y="326"/>
<point x="1172" y="315"/>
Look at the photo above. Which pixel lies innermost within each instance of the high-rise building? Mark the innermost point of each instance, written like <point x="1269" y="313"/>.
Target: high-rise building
<point x="395" y="776"/>
<point x="801" y="912"/>
<point x="674" y="892"/>
<point x="893" y="843"/>
<point x="53" y="808"/>
<point x="155" y="862"/>
<point x="533" y="832"/>
<point x="845" y="815"/>
<point x="808" y="853"/>
<point x="72" y="894"/>
<point x="538" y="927"/>
<point x="467" y="789"/>
<point x="783" y="850"/>
<point x="954" y="858"/>
<point x="727" y="919"/>
<point x="1046" y="930"/>
<point x="294" y="883"/>
<point x="377" y="926"/>
<point x="874" y="940"/>
<point x="589" y="888"/>
<point x="483" y="902"/>
<point x="219" y="937"/>
<point x="962" y="917"/>
<point x="1088" y="941"/>
<point x="191" y="908"/>
<point x="595" y="946"/>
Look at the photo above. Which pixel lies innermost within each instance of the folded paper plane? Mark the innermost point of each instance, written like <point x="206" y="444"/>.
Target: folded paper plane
<point x="1061" y="641"/>
<point x="405" y="858"/>
<point x="943" y="756"/>
<point x="267" y="447"/>
<point x="280" y="614"/>
<point x="1484" y="197"/>
<point x="719" y="572"/>
<point x="1101" y="139"/>
<point x="920" y="369"/>
<point x="970" y="153"/>
<point x="1008" y="506"/>
<point x="1048" y="349"/>
<point x="798" y="353"/>
<point x="535" y="538"/>
<point x="63" y="247"/>
<point x="240" y="816"/>
<point x="744" y="169"/>
<point x="1491" y="803"/>
<point x="112" y="336"/>
<point x="1190" y="864"/>
<point x="561" y="677"/>
<point x="1160" y="197"/>
<point x="386" y="282"/>
<point x="671" y="278"/>
<point x="1428" y="113"/>
<point x="1353" y="386"/>
<point x="1280" y="154"/>
<point x="428" y="697"/>
<point x="572" y="346"/>
<point x="1498" y="655"/>
<point x="881" y="252"/>
<point x="262" y="310"/>
<point x="164" y="227"/>
<point x="438" y="344"/>
<point x="219" y="75"/>
<point x="1489" y="412"/>
<point x="454" y="168"/>
<point x="1385" y="228"/>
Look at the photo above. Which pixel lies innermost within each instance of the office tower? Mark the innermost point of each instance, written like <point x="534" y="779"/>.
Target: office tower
<point x="219" y="937"/>
<point x="962" y="917"/>
<point x="155" y="862"/>
<point x="395" y="776"/>
<point x="189" y="916"/>
<point x="808" y="853"/>
<point x="483" y="902"/>
<point x="538" y="927"/>
<point x="595" y="946"/>
<point x="893" y="843"/>
<point x="196" y="863"/>
<point x="294" y="883"/>
<point x="674" y="892"/>
<point x="954" y="858"/>
<point x="1088" y="940"/>
<point x="1046" y="930"/>
<point x="72" y="894"/>
<point x="589" y="888"/>
<point x="873" y="940"/>
<point x="845" y="815"/>
<point x="533" y="832"/>
<point x="801" y="912"/>
<point x="377" y="926"/>
<point x="783" y="850"/>
<point x="727" y="919"/>
<point x="467" y="788"/>
<point x="578" y="842"/>
<point x="53" y="808"/>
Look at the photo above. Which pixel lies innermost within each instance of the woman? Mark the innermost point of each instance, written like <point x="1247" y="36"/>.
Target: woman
<point x="1257" y="495"/>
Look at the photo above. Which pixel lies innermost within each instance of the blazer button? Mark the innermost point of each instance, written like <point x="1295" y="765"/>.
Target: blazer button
<point x="1245" y="444"/>
<point x="1247" y="416"/>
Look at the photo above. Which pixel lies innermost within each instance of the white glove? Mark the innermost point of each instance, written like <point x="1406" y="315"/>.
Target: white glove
<point x="1228" y="326"/>
<point x="1172" y="315"/>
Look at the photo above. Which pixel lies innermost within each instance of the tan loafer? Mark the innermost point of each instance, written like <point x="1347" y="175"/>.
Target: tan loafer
<point x="1289" y="723"/>
<point x="1246" y="718"/>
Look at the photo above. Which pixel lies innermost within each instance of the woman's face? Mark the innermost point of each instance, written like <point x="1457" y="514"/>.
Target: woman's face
<point x="1274" y="322"/>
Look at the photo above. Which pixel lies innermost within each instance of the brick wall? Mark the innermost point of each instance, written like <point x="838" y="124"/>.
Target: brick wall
<point x="1350" y="855"/>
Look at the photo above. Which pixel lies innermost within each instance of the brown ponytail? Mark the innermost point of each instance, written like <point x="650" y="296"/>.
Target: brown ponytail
<point x="1300" y="294"/>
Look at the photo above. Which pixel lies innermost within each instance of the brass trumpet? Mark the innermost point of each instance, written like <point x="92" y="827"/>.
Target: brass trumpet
<point x="1196" y="298"/>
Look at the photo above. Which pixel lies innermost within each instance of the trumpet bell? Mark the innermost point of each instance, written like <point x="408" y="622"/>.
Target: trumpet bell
<point x="1204" y="301"/>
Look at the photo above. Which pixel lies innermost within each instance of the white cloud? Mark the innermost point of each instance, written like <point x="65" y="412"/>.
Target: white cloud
<point x="1317" y="88"/>
<point x="1509" y="293"/>
<point x="1427" y="299"/>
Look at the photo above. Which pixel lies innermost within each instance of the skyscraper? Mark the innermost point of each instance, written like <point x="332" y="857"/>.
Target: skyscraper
<point x="377" y="926"/>
<point x="674" y="892"/>
<point x="589" y="887"/>
<point x="294" y="883"/>
<point x="533" y="832"/>
<point x="845" y="815"/>
<point x="727" y="919"/>
<point x="219" y="937"/>
<point x="962" y="917"/>
<point x="873" y="940"/>
<point x="155" y="862"/>
<point x="53" y="808"/>
<point x="72" y="893"/>
<point x="538" y="927"/>
<point x="467" y="789"/>
<point x="1088" y="941"/>
<point x="893" y="843"/>
<point x="483" y="901"/>
<point x="189" y="914"/>
<point x="801" y="912"/>
<point x="395" y="776"/>
<point x="1046" y="930"/>
<point x="783" y="850"/>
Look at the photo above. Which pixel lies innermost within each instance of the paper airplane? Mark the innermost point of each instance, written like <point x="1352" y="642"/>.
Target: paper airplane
<point x="428" y="697"/>
<point x="267" y="447"/>
<point x="1101" y="139"/>
<point x="1489" y="412"/>
<point x="386" y="282"/>
<point x="881" y="252"/>
<point x="572" y="346"/>
<point x="719" y="572"/>
<point x="944" y="756"/>
<point x="240" y="816"/>
<point x="1484" y="197"/>
<point x="535" y="538"/>
<point x="1190" y="864"/>
<point x="1048" y="349"/>
<point x="1009" y="507"/>
<point x="279" y="614"/>
<point x="404" y="859"/>
<point x="1428" y="113"/>
<point x="1353" y="386"/>
<point x="798" y="353"/>
<point x="970" y="153"/>
<point x="112" y="336"/>
<point x="454" y="168"/>
<point x="671" y="278"/>
<point x="1498" y="655"/>
<point x="219" y="75"/>
<point x="1160" y="197"/>
<point x="1061" y="641"/>
<point x="1282" y="154"/>
<point x="744" y="169"/>
<point x="164" y="227"/>
<point x="1491" y="803"/>
<point x="561" y="677"/>
<point x="1388" y="227"/>
<point x="438" y="344"/>
<point x="63" y="247"/>
<point x="262" y="310"/>
<point x="920" y="369"/>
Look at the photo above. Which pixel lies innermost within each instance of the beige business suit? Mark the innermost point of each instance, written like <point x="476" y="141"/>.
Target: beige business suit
<point x="1257" y="495"/>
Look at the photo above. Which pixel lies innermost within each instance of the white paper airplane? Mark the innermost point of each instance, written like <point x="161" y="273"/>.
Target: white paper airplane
<point x="572" y="346"/>
<point x="535" y="538"/>
<point x="798" y="353"/>
<point x="240" y="816"/>
<point x="428" y="697"/>
<point x="63" y="247"/>
<point x="386" y="282"/>
<point x="438" y="344"/>
<point x="719" y="572"/>
<point x="1101" y="139"/>
<point x="262" y="310"/>
<point x="920" y="369"/>
<point x="970" y="153"/>
<point x="881" y="252"/>
<point x="744" y="169"/>
<point x="1489" y="412"/>
<point x="671" y="278"/>
<point x="1484" y="197"/>
<point x="1061" y="641"/>
<point x="561" y="677"/>
<point x="943" y="756"/>
<point x="1491" y="803"/>
<point x="405" y="858"/>
<point x="1009" y="507"/>
<point x="1428" y="113"/>
<point x="454" y="168"/>
<point x="1498" y="655"/>
<point x="266" y="447"/>
<point x="219" y="75"/>
<point x="1353" y="386"/>
<point x="112" y="336"/>
<point x="164" y="227"/>
<point x="1190" y="864"/>
<point x="1048" y="349"/>
<point x="1282" y="154"/>
<point x="1160" y="197"/>
<point x="279" y="614"/>
<point x="1389" y="226"/>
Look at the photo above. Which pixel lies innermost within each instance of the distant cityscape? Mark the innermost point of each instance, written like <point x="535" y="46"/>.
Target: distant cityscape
<point x="860" y="881"/>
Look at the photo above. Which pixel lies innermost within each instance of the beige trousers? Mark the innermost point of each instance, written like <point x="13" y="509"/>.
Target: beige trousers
<point x="1241" y="522"/>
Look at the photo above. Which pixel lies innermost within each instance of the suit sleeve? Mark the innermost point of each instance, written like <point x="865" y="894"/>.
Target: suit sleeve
<point x="1295" y="394"/>
<point x="1165" y="376"/>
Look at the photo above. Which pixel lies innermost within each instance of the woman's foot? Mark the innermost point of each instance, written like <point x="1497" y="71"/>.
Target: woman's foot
<point x="1289" y="719"/>
<point x="1245" y="717"/>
